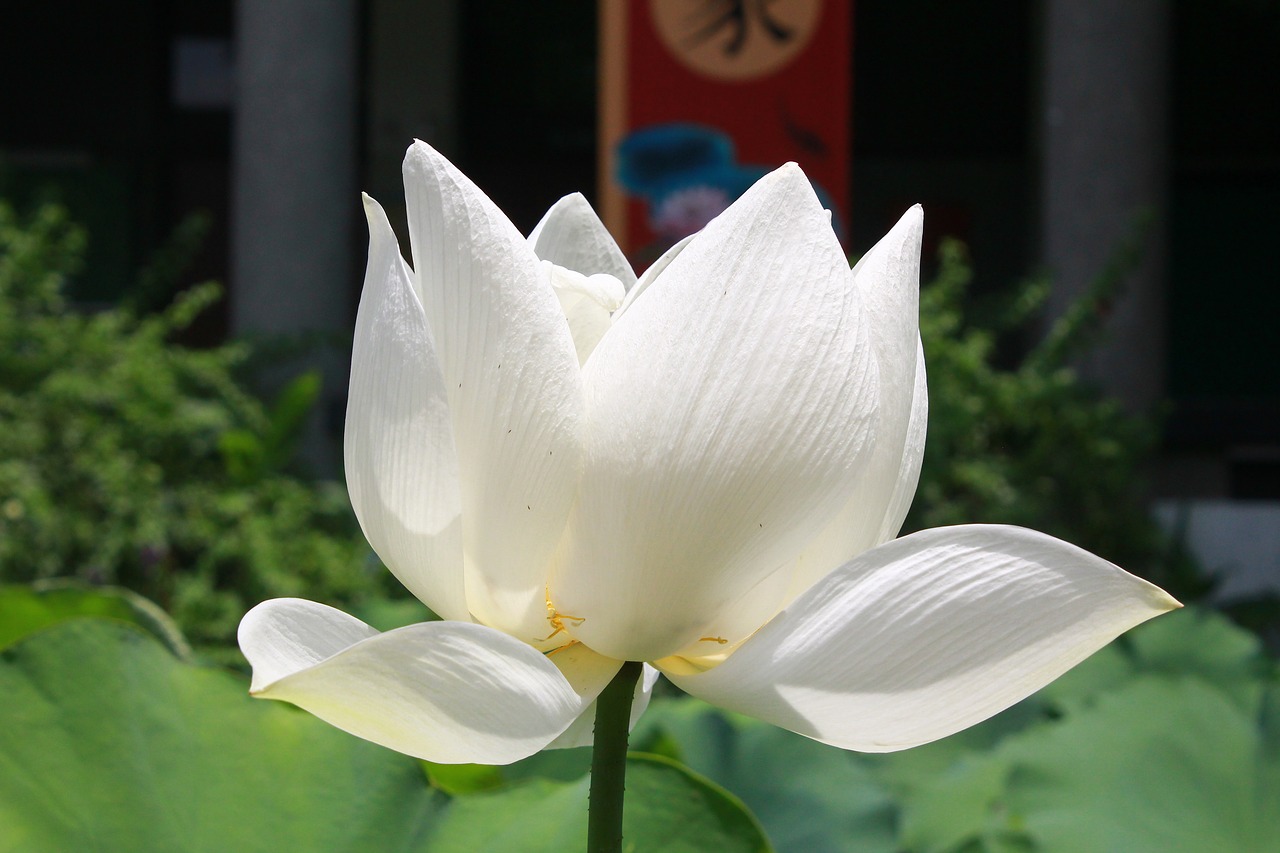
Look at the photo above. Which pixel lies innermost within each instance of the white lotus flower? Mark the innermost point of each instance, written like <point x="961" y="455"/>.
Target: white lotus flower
<point x="705" y="475"/>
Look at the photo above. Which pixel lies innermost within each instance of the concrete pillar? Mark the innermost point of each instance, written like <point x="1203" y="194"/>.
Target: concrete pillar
<point x="295" y="197"/>
<point x="412" y="86"/>
<point x="1104" y="150"/>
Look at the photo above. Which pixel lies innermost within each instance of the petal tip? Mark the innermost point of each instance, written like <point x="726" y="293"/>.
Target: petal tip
<point x="1163" y="601"/>
<point x="913" y="220"/>
<point x="1151" y="598"/>
<point x="373" y="211"/>
<point x="786" y="187"/>
<point x="421" y="156"/>
<point x="791" y="171"/>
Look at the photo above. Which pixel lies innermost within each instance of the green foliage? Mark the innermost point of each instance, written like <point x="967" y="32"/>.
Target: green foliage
<point x="109" y="742"/>
<point x="25" y="609"/>
<point x="251" y="455"/>
<point x="128" y="459"/>
<point x="669" y="809"/>
<point x="807" y="795"/>
<point x="1030" y="444"/>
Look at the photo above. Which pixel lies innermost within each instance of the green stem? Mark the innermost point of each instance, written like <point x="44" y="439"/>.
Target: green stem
<point x="609" y="761"/>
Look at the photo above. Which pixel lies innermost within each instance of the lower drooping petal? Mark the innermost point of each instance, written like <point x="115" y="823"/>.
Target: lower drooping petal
<point x="449" y="692"/>
<point x="927" y="635"/>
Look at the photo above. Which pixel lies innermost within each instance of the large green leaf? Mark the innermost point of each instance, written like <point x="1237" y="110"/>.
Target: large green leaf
<point x="808" y="796"/>
<point x="958" y="806"/>
<point x="26" y="608"/>
<point x="672" y="809"/>
<point x="539" y="815"/>
<point x="960" y="794"/>
<point x="669" y="809"/>
<point x="1160" y="765"/>
<point x="906" y="771"/>
<point x="1192" y="641"/>
<point x="1204" y="643"/>
<point x="108" y="742"/>
<point x="1042" y="775"/>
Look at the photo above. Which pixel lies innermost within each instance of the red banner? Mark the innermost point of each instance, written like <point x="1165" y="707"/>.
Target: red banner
<point x="699" y="98"/>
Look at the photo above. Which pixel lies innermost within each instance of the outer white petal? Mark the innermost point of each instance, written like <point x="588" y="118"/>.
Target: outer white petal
<point x="651" y="274"/>
<point x="451" y="692"/>
<point x="726" y="409"/>
<point x="927" y="635"/>
<point x="514" y="388"/>
<point x="572" y="236"/>
<point x="582" y="731"/>
<point x="888" y="280"/>
<point x="402" y="470"/>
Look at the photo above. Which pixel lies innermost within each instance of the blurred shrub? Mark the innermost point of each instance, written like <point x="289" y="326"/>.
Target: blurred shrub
<point x="128" y="459"/>
<point x="1029" y="443"/>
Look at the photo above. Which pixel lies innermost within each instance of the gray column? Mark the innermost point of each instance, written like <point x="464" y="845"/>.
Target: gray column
<point x="1104" y="155"/>
<point x="412" y="90"/>
<point x="294" y="169"/>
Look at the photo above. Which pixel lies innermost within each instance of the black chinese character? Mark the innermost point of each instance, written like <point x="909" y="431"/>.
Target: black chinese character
<point x="717" y="16"/>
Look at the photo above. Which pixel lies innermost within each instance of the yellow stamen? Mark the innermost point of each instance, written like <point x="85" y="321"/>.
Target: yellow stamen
<point x="556" y="619"/>
<point x="721" y="640"/>
<point x="559" y="649"/>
